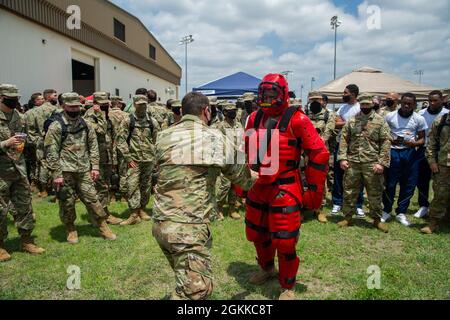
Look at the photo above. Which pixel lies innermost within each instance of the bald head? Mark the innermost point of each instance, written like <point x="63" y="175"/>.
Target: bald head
<point x="393" y="95"/>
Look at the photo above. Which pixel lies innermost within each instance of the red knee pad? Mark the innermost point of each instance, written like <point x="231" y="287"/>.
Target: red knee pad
<point x="256" y="221"/>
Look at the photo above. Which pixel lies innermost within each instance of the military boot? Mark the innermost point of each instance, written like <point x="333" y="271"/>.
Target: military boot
<point x="321" y="216"/>
<point x="111" y="219"/>
<point x="27" y="245"/>
<point x="72" y="235"/>
<point x="432" y="226"/>
<point x="380" y="225"/>
<point x="43" y="194"/>
<point x="4" y="255"/>
<point x="262" y="276"/>
<point x="144" y="216"/>
<point x="287" y="294"/>
<point x="133" y="219"/>
<point x="347" y="222"/>
<point x="105" y="232"/>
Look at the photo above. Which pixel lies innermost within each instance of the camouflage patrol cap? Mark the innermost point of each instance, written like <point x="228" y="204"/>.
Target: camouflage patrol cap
<point x="9" y="90"/>
<point x="101" y="97"/>
<point x="213" y="101"/>
<point x="315" y="95"/>
<point x="140" y="99"/>
<point x="229" y="106"/>
<point x="176" y="104"/>
<point x="116" y="99"/>
<point x="365" y="98"/>
<point x="248" y="96"/>
<point x="295" y="103"/>
<point x="88" y="104"/>
<point x="71" y="99"/>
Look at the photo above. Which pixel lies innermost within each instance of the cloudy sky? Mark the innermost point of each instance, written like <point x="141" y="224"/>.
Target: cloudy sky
<point x="261" y="36"/>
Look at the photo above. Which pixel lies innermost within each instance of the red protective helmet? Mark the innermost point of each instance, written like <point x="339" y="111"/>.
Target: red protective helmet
<point x="278" y="104"/>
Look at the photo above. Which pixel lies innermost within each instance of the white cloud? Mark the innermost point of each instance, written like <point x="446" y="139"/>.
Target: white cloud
<point x="228" y="37"/>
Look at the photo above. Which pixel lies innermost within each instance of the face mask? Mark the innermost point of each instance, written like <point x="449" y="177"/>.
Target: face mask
<point x="389" y="103"/>
<point x="376" y="107"/>
<point x="346" y="99"/>
<point x="54" y="102"/>
<point x="104" y="108"/>
<point x="248" y="107"/>
<point x="405" y="115"/>
<point x="177" y="111"/>
<point x="315" y="107"/>
<point x="366" y="111"/>
<point x="140" y="110"/>
<point x="11" y="103"/>
<point x="73" y="114"/>
<point x="213" y="112"/>
<point x="231" y="114"/>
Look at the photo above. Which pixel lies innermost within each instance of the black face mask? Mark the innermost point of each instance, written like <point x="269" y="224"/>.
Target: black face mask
<point x="366" y="111"/>
<point x="434" y="112"/>
<point x="405" y="115"/>
<point x="11" y="103"/>
<point x="73" y="114"/>
<point x="231" y="114"/>
<point x="346" y="99"/>
<point x="177" y="111"/>
<point x="54" y="102"/>
<point x="390" y="103"/>
<point x="376" y="107"/>
<point x="104" y="108"/>
<point x="248" y="106"/>
<point x="213" y="112"/>
<point x="315" y="107"/>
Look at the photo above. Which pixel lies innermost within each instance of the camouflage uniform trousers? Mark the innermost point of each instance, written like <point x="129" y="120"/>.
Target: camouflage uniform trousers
<point x="187" y="248"/>
<point x="15" y="197"/>
<point x="139" y="184"/>
<point x="441" y="201"/>
<point x="225" y="193"/>
<point x="80" y="185"/>
<point x="43" y="173"/>
<point x="123" y="169"/>
<point x="356" y="175"/>
<point x="102" y="185"/>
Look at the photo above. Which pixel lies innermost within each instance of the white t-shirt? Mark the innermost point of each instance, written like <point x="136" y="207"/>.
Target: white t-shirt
<point x="348" y="111"/>
<point x="429" y="118"/>
<point x="408" y="128"/>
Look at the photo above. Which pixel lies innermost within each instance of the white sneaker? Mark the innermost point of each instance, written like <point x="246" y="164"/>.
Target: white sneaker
<point x="336" y="210"/>
<point x="402" y="219"/>
<point x="386" y="217"/>
<point x="360" y="213"/>
<point x="421" y="213"/>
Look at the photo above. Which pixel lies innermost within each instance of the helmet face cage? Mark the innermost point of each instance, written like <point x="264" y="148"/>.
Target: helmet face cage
<point x="273" y="82"/>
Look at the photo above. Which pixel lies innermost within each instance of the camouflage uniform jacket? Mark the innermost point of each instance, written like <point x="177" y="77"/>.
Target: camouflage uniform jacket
<point x="35" y="119"/>
<point x="160" y="113"/>
<point x="11" y="161"/>
<point x="78" y="153"/>
<point x="325" y="127"/>
<point x="438" y="148"/>
<point x="190" y="157"/>
<point x="141" y="146"/>
<point x="105" y="134"/>
<point x="366" y="139"/>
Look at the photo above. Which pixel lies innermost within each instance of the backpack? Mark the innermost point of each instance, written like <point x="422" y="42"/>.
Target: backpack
<point x="133" y="126"/>
<point x="442" y="124"/>
<point x="57" y="116"/>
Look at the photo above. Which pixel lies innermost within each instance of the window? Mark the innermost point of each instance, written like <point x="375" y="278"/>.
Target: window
<point x="119" y="30"/>
<point x="117" y="92"/>
<point x="152" y="52"/>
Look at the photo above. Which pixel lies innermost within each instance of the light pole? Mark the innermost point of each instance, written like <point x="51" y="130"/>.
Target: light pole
<point x="420" y="74"/>
<point x="186" y="40"/>
<point x="335" y="23"/>
<point x="301" y="92"/>
<point x="286" y="74"/>
<point x="312" y="81"/>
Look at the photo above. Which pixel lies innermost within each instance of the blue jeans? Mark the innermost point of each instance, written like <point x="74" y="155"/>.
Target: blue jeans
<point x="338" y="190"/>
<point x="423" y="182"/>
<point x="404" y="169"/>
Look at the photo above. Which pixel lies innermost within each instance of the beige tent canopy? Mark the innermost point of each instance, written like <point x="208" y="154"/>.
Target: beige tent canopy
<point x="375" y="82"/>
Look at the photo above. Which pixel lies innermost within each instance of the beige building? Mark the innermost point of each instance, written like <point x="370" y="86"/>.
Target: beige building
<point x="83" y="46"/>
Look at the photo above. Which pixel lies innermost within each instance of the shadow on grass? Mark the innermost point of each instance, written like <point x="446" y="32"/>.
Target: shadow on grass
<point x="59" y="234"/>
<point x="242" y="271"/>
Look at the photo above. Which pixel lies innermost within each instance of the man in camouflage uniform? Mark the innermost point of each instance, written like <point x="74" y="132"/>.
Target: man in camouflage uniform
<point x="176" y="109"/>
<point x="136" y="145"/>
<point x="224" y="190"/>
<point x="156" y="110"/>
<point x="438" y="155"/>
<point x="35" y="120"/>
<point x="325" y="123"/>
<point x="249" y="106"/>
<point x="216" y="114"/>
<point x="170" y="115"/>
<point x="98" y="118"/>
<point x="190" y="157"/>
<point x="117" y="117"/>
<point x="364" y="153"/>
<point x="14" y="186"/>
<point x="72" y="153"/>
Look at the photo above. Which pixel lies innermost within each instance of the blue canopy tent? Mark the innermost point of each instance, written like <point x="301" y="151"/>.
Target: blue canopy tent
<point x="234" y="85"/>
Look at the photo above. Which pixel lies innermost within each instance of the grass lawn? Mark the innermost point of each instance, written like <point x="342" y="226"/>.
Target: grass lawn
<point x="333" y="263"/>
